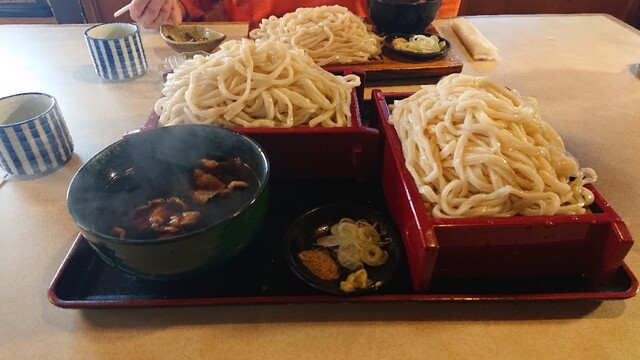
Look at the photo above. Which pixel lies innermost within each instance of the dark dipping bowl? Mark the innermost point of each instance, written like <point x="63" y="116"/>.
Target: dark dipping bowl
<point x="403" y="16"/>
<point x="159" y="164"/>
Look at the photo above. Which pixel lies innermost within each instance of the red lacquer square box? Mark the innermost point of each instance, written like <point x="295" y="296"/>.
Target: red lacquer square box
<point x="317" y="152"/>
<point x="592" y="245"/>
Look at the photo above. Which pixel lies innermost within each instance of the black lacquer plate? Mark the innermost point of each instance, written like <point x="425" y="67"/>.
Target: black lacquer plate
<point x="260" y="274"/>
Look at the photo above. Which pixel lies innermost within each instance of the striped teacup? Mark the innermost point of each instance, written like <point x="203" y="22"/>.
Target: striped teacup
<point x="116" y="51"/>
<point x="34" y="139"/>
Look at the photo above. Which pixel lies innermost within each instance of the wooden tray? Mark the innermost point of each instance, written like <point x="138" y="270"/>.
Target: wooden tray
<point x="393" y="66"/>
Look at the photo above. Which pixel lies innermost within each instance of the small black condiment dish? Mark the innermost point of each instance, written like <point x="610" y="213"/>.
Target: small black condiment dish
<point x="416" y="55"/>
<point x="304" y="232"/>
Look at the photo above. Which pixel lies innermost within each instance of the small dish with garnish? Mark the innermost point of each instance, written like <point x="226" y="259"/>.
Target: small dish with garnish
<point x="423" y="46"/>
<point x="343" y="249"/>
<point x="191" y="38"/>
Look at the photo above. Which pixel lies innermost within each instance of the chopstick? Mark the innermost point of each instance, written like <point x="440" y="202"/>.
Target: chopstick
<point x="122" y="10"/>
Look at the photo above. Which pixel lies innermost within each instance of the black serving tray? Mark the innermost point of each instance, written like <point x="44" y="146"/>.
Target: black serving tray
<point x="260" y="274"/>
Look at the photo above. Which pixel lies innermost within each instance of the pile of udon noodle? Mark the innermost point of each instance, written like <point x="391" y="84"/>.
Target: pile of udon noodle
<point x="275" y="80"/>
<point x="250" y="83"/>
<point x="476" y="148"/>
<point x="329" y="34"/>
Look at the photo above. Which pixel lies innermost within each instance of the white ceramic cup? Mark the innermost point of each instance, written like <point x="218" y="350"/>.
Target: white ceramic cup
<point x="116" y="51"/>
<point x="34" y="139"/>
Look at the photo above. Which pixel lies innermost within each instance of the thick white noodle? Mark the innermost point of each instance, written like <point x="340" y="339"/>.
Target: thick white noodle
<point x="249" y="84"/>
<point x="476" y="148"/>
<point x="330" y="34"/>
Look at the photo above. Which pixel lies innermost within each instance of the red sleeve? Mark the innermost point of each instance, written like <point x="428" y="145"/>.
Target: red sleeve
<point x="449" y="8"/>
<point x="197" y="9"/>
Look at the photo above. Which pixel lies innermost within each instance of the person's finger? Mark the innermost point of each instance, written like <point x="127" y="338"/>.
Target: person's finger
<point x="176" y="15"/>
<point x="136" y="9"/>
<point x="164" y="13"/>
<point x="148" y="13"/>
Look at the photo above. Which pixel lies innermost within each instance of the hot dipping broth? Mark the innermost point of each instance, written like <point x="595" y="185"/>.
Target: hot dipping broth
<point x="206" y="194"/>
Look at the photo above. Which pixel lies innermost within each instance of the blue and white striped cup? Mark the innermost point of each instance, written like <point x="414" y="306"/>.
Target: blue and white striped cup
<point x="34" y="139"/>
<point x="116" y="50"/>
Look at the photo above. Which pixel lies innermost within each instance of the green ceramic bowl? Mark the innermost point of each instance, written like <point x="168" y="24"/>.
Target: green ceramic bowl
<point x="159" y="164"/>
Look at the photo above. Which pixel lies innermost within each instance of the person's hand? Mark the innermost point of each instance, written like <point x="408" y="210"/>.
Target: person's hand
<point x="151" y="14"/>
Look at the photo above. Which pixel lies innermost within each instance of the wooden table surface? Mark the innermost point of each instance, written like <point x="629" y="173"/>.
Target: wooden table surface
<point x="580" y="68"/>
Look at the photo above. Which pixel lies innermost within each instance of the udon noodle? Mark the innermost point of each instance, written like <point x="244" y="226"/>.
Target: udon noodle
<point x="249" y="84"/>
<point x="330" y="34"/>
<point x="476" y="148"/>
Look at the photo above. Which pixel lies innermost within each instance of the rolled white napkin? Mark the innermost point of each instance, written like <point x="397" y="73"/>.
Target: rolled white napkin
<point x="474" y="41"/>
